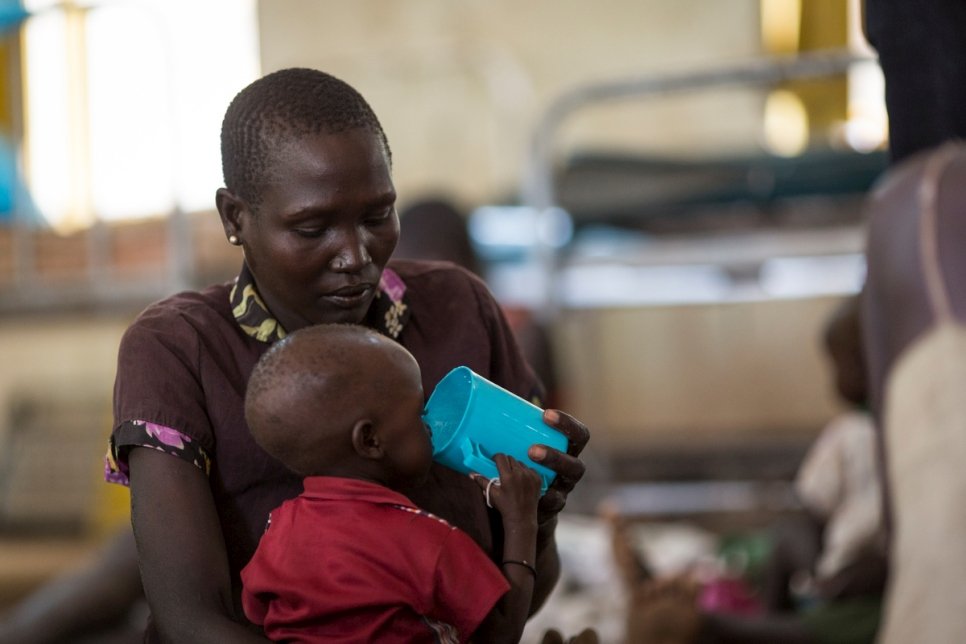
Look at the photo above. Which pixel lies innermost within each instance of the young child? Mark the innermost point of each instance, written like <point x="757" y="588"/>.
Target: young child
<point x="351" y="559"/>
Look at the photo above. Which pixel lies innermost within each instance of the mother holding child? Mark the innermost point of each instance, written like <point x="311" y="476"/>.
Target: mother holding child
<point x="309" y="197"/>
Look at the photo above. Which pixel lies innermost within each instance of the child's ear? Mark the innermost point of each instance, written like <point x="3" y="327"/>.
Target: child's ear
<point x="365" y="439"/>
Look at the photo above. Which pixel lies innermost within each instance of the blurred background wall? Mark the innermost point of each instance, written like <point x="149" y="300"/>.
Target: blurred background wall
<point x="459" y="86"/>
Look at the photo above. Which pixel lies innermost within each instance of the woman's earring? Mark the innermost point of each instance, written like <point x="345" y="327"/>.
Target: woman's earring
<point x="233" y="240"/>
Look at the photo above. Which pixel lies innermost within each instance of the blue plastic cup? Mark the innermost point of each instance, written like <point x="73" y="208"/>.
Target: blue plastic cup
<point x="473" y="419"/>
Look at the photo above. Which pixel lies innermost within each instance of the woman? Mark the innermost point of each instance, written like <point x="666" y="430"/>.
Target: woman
<point x="309" y="197"/>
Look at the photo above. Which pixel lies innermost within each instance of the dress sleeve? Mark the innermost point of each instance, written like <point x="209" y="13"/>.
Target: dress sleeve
<point x="467" y="584"/>
<point x="158" y="398"/>
<point x="141" y="433"/>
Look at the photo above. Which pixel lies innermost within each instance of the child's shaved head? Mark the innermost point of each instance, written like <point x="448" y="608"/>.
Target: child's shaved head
<point x="309" y="391"/>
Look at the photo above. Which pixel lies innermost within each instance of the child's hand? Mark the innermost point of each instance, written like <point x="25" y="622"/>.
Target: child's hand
<point x="516" y="493"/>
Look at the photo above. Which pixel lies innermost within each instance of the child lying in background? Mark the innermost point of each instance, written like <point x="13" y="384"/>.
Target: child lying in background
<point x="351" y="559"/>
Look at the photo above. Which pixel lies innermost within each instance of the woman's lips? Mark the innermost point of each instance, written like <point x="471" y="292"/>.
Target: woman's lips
<point x="350" y="296"/>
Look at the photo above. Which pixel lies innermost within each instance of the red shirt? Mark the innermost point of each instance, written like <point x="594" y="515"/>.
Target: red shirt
<point x="353" y="561"/>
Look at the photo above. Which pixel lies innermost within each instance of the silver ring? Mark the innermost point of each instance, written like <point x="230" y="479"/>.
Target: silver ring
<point x="493" y="481"/>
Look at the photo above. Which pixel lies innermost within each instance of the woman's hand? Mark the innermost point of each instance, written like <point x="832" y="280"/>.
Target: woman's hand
<point x="568" y="467"/>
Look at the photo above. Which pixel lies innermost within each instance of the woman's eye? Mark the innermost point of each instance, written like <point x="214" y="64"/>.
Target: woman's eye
<point x="308" y="232"/>
<point x="379" y="217"/>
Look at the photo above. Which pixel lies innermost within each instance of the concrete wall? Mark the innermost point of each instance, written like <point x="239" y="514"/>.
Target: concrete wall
<point x="56" y="379"/>
<point x="459" y="86"/>
<point x="60" y="326"/>
<point x="697" y="375"/>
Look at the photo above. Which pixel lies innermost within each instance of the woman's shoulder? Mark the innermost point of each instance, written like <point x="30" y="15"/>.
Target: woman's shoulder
<point x="426" y="278"/>
<point x="196" y="310"/>
<point x="422" y="270"/>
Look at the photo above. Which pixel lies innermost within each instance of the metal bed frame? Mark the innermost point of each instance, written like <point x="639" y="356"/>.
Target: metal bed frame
<point x="539" y="190"/>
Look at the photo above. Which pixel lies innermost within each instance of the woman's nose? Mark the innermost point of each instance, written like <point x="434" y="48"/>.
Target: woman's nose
<point x="352" y="254"/>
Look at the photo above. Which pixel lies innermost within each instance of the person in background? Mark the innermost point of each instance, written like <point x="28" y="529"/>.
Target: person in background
<point x="310" y="200"/>
<point x="836" y="548"/>
<point x="826" y="574"/>
<point x="914" y="316"/>
<point x="435" y="229"/>
<point x="913" y="301"/>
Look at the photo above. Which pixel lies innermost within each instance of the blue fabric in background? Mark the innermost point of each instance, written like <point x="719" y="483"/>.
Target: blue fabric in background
<point x="15" y="201"/>
<point x="8" y="179"/>
<point x="12" y="14"/>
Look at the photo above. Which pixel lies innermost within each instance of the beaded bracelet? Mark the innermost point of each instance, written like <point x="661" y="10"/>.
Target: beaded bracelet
<point x="525" y="564"/>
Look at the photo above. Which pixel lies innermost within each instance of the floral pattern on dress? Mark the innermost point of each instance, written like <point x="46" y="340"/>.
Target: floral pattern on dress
<point x="141" y="433"/>
<point x="393" y="319"/>
<point x="388" y="313"/>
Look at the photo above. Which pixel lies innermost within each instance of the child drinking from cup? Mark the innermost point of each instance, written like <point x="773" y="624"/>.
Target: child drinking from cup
<point x="352" y="559"/>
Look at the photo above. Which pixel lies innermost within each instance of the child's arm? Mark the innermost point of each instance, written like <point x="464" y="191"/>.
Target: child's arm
<point x="516" y="499"/>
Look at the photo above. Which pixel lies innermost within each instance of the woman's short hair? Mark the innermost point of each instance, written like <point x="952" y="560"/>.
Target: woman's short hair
<point x="281" y="106"/>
